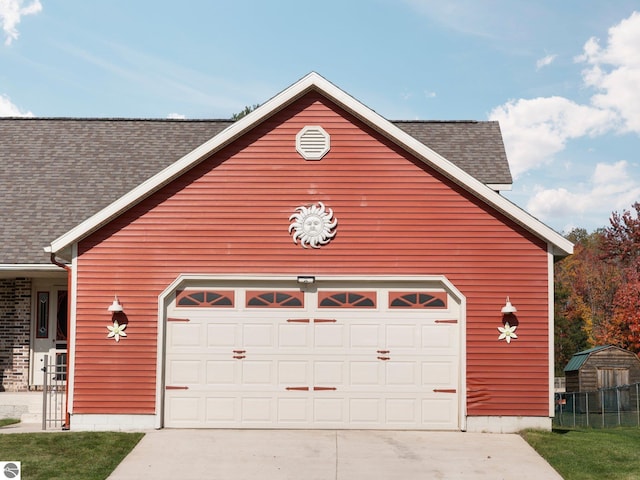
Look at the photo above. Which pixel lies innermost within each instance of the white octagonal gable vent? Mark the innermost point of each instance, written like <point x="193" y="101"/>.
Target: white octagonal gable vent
<point x="312" y="142"/>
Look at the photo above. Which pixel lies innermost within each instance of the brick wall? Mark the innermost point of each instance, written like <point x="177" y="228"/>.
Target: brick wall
<point x="15" y="322"/>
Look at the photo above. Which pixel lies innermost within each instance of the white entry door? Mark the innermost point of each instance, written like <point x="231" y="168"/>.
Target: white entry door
<point x="335" y="356"/>
<point x="49" y="337"/>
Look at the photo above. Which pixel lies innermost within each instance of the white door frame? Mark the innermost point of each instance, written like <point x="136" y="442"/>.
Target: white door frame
<point x="47" y="345"/>
<point x="168" y="295"/>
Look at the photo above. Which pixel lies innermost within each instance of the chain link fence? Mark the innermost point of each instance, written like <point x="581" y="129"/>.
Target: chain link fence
<point x="605" y="408"/>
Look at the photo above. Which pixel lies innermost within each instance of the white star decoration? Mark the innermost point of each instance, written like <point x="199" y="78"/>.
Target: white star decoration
<point x="507" y="332"/>
<point x="116" y="331"/>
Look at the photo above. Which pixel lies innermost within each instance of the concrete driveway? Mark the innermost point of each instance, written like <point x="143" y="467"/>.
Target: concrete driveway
<point x="331" y="455"/>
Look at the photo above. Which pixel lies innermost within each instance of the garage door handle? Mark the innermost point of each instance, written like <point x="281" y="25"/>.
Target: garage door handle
<point x="384" y="358"/>
<point x="298" y="388"/>
<point x="239" y="351"/>
<point x="320" y="389"/>
<point x="324" y="320"/>
<point x="172" y="387"/>
<point x="444" y="390"/>
<point x="298" y="320"/>
<point x="384" y="351"/>
<point x="238" y="357"/>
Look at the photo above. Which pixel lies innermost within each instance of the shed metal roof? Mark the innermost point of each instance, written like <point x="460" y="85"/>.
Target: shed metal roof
<point x="579" y="358"/>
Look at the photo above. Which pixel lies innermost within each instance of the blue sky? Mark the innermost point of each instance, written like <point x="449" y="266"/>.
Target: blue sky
<point x="562" y="77"/>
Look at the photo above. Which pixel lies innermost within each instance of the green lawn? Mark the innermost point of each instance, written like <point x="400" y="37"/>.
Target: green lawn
<point x="584" y="454"/>
<point x="67" y="455"/>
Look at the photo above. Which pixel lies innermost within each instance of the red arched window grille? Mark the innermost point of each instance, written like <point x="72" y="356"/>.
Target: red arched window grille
<point x="204" y="298"/>
<point x="418" y="300"/>
<point x="347" y="299"/>
<point x="270" y="299"/>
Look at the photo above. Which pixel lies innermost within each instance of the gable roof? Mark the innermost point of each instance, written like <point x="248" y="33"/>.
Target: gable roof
<point x="58" y="172"/>
<point x="74" y="175"/>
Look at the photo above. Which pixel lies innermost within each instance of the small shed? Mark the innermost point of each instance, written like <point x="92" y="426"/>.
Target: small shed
<point x="601" y="367"/>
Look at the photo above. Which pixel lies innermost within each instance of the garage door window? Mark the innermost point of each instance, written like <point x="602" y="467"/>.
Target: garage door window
<point x="418" y="300"/>
<point x="347" y="299"/>
<point x="288" y="299"/>
<point x="204" y="298"/>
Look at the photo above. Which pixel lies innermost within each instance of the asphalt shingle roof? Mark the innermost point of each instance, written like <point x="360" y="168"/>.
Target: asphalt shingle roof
<point x="55" y="173"/>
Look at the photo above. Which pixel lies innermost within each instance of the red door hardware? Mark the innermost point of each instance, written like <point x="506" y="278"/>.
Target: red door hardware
<point x="298" y="320"/>
<point x="325" y="320"/>
<point x="445" y="390"/>
<point x="172" y="387"/>
<point x="298" y="388"/>
<point x="383" y="351"/>
<point x="238" y="357"/>
<point x="173" y="319"/>
<point x="384" y="358"/>
<point x="318" y="389"/>
<point x="239" y="351"/>
<point x="446" y="321"/>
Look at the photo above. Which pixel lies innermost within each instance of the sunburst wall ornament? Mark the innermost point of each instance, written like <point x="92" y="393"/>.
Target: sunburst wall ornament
<point x="313" y="225"/>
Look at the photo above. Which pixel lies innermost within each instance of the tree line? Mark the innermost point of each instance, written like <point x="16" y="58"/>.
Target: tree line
<point x="597" y="289"/>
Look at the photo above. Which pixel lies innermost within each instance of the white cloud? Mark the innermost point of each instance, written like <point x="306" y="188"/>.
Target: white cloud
<point x="614" y="71"/>
<point x="176" y="116"/>
<point x="534" y="130"/>
<point x="8" y="109"/>
<point x="611" y="188"/>
<point x="545" y="61"/>
<point x="11" y="12"/>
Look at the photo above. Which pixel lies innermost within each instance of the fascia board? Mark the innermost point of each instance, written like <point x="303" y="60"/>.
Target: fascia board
<point x="276" y="103"/>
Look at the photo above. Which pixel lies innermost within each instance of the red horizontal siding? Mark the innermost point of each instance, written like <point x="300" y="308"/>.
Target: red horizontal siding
<point x="397" y="216"/>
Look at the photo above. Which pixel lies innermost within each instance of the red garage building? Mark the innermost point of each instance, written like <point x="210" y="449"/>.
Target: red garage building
<point x="314" y="265"/>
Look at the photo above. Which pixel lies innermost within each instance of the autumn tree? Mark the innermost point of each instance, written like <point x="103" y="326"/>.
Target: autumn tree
<point x="621" y="250"/>
<point x="585" y="287"/>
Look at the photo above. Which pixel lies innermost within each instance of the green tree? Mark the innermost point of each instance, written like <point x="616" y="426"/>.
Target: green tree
<point x="243" y="113"/>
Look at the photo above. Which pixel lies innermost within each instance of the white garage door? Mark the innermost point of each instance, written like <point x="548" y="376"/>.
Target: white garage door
<point x="331" y="356"/>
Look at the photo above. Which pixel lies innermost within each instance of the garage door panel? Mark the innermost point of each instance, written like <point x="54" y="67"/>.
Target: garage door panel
<point x="258" y="335"/>
<point x="329" y="372"/>
<point x="293" y="410"/>
<point x="222" y="334"/>
<point x="439" y="412"/>
<point x="402" y="336"/>
<point x="293" y="372"/>
<point x="257" y="372"/>
<point x="401" y="412"/>
<point x="241" y="367"/>
<point x="185" y="334"/>
<point x="329" y="411"/>
<point x="365" y="335"/>
<point x="256" y="409"/>
<point x="365" y="412"/>
<point x="329" y="335"/>
<point x="439" y="337"/>
<point x="222" y="372"/>
<point x="293" y="335"/>
<point x="221" y="410"/>
<point x="403" y="374"/>
<point x="181" y="372"/>
<point x="439" y="374"/>
<point x="365" y="373"/>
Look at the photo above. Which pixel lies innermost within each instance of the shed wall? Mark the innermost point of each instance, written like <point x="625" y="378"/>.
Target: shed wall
<point x="397" y="216"/>
<point x="609" y="358"/>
